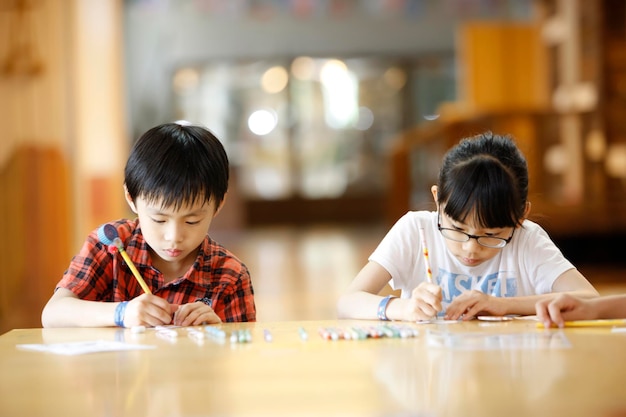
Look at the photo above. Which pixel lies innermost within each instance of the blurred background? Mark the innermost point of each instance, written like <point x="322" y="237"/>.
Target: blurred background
<point x="335" y="115"/>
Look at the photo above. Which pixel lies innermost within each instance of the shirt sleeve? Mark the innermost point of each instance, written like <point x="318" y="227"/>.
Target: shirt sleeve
<point x="399" y="250"/>
<point x="235" y="295"/>
<point x="87" y="272"/>
<point x="546" y="261"/>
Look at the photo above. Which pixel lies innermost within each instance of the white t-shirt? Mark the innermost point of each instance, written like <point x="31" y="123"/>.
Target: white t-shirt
<point x="528" y="265"/>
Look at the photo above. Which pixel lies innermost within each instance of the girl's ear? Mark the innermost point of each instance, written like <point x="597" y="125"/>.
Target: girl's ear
<point x="129" y="200"/>
<point x="525" y="215"/>
<point x="434" y="190"/>
<point x="527" y="210"/>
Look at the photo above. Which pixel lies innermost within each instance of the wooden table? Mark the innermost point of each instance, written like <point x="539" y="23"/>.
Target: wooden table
<point x="465" y="369"/>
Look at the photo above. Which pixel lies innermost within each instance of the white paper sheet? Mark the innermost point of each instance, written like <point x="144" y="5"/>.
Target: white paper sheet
<point x="81" y="348"/>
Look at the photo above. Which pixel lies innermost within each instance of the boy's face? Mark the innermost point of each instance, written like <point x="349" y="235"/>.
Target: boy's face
<point x="174" y="234"/>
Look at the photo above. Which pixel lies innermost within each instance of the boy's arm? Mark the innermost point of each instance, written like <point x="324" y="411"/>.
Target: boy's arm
<point x="65" y="309"/>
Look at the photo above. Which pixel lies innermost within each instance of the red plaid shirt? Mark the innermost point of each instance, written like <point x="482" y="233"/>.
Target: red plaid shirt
<point x="99" y="273"/>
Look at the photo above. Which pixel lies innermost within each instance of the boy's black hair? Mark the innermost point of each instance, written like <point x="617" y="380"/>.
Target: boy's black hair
<point x="177" y="164"/>
<point x="485" y="176"/>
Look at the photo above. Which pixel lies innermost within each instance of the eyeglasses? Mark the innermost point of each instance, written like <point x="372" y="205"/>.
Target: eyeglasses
<point x="459" y="236"/>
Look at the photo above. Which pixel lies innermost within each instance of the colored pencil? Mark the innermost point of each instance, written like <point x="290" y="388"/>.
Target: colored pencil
<point x="591" y="323"/>
<point x="429" y="273"/>
<point x="120" y="247"/>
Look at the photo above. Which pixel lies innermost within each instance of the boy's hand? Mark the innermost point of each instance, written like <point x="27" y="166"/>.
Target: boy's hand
<point x="195" y="314"/>
<point x="147" y="310"/>
<point x="425" y="302"/>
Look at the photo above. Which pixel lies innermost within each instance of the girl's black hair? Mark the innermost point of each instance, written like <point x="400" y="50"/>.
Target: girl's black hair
<point x="177" y="164"/>
<point x="485" y="176"/>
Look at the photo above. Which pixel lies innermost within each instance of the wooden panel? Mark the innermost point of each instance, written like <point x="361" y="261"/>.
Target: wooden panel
<point x="502" y="66"/>
<point x="35" y="233"/>
<point x="601" y="212"/>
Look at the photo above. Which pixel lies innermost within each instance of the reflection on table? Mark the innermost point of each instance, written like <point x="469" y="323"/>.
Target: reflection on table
<point x="461" y="369"/>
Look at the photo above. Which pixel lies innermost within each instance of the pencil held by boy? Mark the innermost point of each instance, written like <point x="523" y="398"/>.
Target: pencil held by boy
<point x="485" y="256"/>
<point x="161" y="267"/>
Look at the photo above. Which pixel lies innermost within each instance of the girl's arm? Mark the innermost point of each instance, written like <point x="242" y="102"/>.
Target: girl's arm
<point x="361" y="300"/>
<point x="572" y="281"/>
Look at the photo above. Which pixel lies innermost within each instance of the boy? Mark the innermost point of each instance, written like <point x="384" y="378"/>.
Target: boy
<point x="175" y="181"/>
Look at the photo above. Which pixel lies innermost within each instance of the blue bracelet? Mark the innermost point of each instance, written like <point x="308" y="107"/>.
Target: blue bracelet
<point x="205" y="300"/>
<point x="120" y="311"/>
<point x="382" y="308"/>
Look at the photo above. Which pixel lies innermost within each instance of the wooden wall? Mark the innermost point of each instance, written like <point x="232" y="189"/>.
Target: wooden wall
<point x="502" y="66"/>
<point x="63" y="143"/>
<point x="35" y="243"/>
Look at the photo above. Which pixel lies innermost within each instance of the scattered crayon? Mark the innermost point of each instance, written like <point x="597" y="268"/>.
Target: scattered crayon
<point x="327" y="333"/>
<point x="303" y="334"/>
<point x="241" y="336"/>
<point x="324" y="333"/>
<point x="138" y="329"/>
<point x="215" y="332"/>
<point x="167" y="333"/>
<point x="374" y="332"/>
<point x="361" y="334"/>
<point x="195" y="334"/>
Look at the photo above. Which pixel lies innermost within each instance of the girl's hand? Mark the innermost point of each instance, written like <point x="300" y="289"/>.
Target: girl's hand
<point x="147" y="310"/>
<point x="425" y="302"/>
<point x="472" y="303"/>
<point x="195" y="314"/>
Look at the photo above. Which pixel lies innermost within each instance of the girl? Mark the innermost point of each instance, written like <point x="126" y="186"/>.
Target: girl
<point x="486" y="257"/>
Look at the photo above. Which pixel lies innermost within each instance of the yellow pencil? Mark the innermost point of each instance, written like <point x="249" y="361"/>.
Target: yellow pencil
<point x="429" y="273"/>
<point x="591" y="323"/>
<point x="118" y="243"/>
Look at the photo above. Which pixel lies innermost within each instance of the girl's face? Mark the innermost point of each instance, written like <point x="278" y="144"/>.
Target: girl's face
<point x="472" y="253"/>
